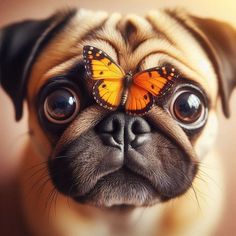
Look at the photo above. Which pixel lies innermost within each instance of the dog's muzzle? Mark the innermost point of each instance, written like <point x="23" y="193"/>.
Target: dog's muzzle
<point x="123" y="160"/>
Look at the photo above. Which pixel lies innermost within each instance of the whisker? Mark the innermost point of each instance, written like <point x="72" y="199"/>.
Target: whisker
<point x="46" y="161"/>
<point x="48" y="204"/>
<point x="37" y="165"/>
<point x="202" y="172"/>
<point x="190" y="183"/>
<point x="69" y="195"/>
<point x="41" y="169"/>
<point x="35" y="183"/>
<point x="55" y="203"/>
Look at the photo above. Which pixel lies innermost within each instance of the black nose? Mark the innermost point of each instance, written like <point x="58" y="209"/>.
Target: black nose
<point x="123" y="131"/>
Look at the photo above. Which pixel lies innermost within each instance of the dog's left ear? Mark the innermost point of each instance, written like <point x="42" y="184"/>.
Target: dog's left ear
<point x="20" y="44"/>
<point x="219" y="41"/>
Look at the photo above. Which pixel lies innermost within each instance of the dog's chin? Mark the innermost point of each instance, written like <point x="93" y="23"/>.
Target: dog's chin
<point x="120" y="190"/>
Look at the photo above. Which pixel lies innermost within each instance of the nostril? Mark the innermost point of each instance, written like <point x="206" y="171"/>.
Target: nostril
<point x="116" y="126"/>
<point x="140" y="126"/>
<point x="111" y="126"/>
<point x="137" y="127"/>
<point x="111" y="130"/>
<point x="138" y="132"/>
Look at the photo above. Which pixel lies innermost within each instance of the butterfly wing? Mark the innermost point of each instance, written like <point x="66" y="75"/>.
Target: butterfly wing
<point x="148" y="85"/>
<point x="139" y="100"/>
<point x="156" y="81"/>
<point x="101" y="66"/>
<point x="108" y="88"/>
<point x="107" y="93"/>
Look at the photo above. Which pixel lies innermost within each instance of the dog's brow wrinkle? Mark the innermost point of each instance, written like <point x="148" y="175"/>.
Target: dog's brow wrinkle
<point x="160" y="34"/>
<point x="62" y="68"/>
<point x="92" y="33"/>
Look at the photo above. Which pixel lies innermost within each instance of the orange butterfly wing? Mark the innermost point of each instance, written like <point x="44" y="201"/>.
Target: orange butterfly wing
<point x="109" y="77"/>
<point x="107" y="93"/>
<point x="139" y="100"/>
<point x="147" y="86"/>
<point x="156" y="81"/>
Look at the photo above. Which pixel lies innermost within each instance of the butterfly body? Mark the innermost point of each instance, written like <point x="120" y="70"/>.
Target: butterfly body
<point x="113" y="88"/>
<point x="127" y="84"/>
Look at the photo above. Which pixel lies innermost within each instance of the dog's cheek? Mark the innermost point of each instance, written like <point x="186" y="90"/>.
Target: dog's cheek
<point x="206" y="140"/>
<point x="38" y="138"/>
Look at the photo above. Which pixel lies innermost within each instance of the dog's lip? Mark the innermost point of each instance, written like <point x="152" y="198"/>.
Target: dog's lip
<point x="98" y="196"/>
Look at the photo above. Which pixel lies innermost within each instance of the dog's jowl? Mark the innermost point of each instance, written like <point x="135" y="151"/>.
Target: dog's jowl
<point x="122" y="119"/>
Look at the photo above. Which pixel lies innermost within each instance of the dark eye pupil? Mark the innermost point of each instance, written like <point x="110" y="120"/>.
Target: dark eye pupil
<point x="60" y="104"/>
<point x="188" y="107"/>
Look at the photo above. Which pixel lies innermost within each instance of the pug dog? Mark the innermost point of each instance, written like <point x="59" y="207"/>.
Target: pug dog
<point x="136" y="162"/>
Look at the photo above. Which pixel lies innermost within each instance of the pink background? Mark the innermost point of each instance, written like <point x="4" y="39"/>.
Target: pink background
<point x="12" y="134"/>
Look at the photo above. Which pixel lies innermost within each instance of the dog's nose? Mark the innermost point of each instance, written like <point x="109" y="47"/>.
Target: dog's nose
<point x="123" y="131"/>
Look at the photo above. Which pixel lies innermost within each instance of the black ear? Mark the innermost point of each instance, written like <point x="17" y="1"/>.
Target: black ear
<point x="20" y="44"/>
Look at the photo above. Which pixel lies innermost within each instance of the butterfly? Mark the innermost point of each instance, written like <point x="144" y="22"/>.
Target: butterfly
<point x="114" y="88"/>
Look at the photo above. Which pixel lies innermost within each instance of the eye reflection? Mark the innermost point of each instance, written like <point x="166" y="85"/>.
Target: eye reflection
<point x="188" y="107"/>
<point x="61" y="105"/>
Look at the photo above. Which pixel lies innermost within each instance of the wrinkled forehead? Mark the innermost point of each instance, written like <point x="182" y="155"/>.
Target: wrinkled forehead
<point x="131" y="41"/>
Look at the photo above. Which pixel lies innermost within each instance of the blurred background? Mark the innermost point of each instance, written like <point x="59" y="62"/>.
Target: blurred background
<point x="12" y="134"/>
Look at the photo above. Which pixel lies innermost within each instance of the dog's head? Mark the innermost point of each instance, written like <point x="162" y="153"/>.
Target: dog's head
<point x="108" y="158"/>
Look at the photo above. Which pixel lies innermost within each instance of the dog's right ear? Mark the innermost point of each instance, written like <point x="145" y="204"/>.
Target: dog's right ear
<point x="20" y="44"/>
<point x="219" y="40"/>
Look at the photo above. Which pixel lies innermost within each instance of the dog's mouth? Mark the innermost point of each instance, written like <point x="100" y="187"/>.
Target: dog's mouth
<point x="121" y="190"/>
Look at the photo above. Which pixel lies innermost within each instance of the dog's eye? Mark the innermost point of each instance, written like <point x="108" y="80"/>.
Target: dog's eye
<point x="189" y="108"/>
<point x="61" y="106"/>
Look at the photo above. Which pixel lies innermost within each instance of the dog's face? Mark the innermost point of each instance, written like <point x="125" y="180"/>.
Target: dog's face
<point x="108" y="158"/>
